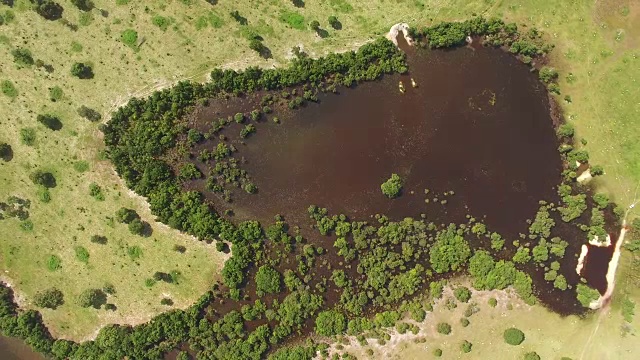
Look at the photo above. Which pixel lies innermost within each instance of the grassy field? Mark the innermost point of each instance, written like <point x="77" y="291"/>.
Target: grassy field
<point x="185" y="39"/>
<point x="598" y="336"/>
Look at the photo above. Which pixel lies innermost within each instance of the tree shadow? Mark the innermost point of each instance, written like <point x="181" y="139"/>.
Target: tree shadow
<point x="6" y="152"/>
<point x="298" y="3"/>
<point x="239" y="18"/>
<point x="337" y="25"/>
<point x="322" y="33"/>
<point x="147" y="230"/>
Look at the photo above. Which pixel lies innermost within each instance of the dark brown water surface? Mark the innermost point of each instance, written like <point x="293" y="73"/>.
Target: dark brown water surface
<point x="16" y="349"/>
<point x="477" y="124"/>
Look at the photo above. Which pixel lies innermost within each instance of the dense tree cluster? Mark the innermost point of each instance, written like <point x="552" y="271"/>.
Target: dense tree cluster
<point x="392" y="187"/>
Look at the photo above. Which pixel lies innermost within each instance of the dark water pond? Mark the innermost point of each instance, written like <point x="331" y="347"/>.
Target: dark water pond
<point x="477" y="124"/>
<point x="15" y="349"/>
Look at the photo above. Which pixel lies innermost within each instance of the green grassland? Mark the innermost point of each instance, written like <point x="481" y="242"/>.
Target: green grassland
<point x="185" y="40"/>
<point x="598" y="336"/>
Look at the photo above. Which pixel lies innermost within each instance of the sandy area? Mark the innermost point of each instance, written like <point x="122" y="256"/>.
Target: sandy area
<point x="397" y="28"/>
<point x="583" y="254"/>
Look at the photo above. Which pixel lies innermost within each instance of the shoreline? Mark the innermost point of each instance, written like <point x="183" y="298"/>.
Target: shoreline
<point x="396" y="29"/>
<point x="611" y="270"/>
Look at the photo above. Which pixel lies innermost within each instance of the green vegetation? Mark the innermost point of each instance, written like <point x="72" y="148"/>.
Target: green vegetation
<point x="329" y="323"/>
<point x="392" y="187"/>
<point x="513" y="336"/>
<point x="586" y="295"/>
<point x="268" y="280"/>
<point x="50" y="298"/>
<point x="8" y="89"/>
<point x="444" y="328"/>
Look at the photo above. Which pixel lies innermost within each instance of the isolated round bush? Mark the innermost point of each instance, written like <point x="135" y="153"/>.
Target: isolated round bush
<point x="462" y="293"/>
<point x="268" y="279"/>
<point x="513" y="336"/>
<point x="531" y="356"/>
<point x="49" y="298"/>
<point x="466" y="346"/>
<point x="444" y="328"/>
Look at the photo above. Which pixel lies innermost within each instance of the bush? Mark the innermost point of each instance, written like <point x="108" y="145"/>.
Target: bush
<point x="548" y="74"/>
<point x="586" y="295"/>
<point x="56" y="93"/>
<point x="42" y="178"/>
<point x="84" y="5"/>
<point x="531" y="356"/>
<point x="54" y="263"/>
<point x="392" y="187"/>
<point x="493" y="302"/>
<point x="268" y="280"/>
<point x="82" y="254"/>
<point x="136" y="227"/>
<point x="89" y="114"/>
<point x="99" y="239"/>
<point x="444" y="328"/>
<point x="92" y="298"/>
<point x="437" y="352"/>
<point x="28" y="136"/>
<point x="82" y="71"/>
<point x="8" y="89"/>
<point x="464" y="322"/>
<point x="22" y="57"/>
<point x="125" y="216"/>
<point x="466" y="347"/>
<point x="129" y="37"/>
<point x="48" y="9"/>
<point x="330" y="322"/>
<point x="513" y="336"/>
<point x="462" y="293"/>
<point x="334" y="22"/>
<point x="596" y="170"/>
<point x="50" y="298"/>
<point x="566" y="130"/>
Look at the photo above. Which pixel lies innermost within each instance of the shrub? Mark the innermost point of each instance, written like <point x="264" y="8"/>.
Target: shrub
<point x="136" y="227"/>
<point x="437" y="352"/>
<point x="92" y="298"/>
<point x="462" y="293"/>
<point x="89" y="114"/>
<point x="330" y="322"/>
<point x="42" y="178"/>
<point x="51" y="122"/>
<point x="28" y="136"/>
<point x="548" y="74"/>
<point x="334" y="22"/>
<point x="82" y="71"/>
<point x="531" y="356"/>
<point x="22" y="57"/>
<point x="129" y="37"/>
<point x="513" y="336"/>
<point x="444" y="328"/>
<point x="566" y="130"/>
<point x="466" y="346"/>
<point x="493" y="302"/>
<point x="392" y="187"/>
<point x="586" y="295"/>
<point x="464" y="322"/>
<point x="50" y="298"/>
<point x="125" y="216"/>
<point x="166" y="302"/>
<point x="56" y="93"/>
<point x="84" y="5"/>
<point x="8" y="89"/>
<point x="96" y="192"/>
<point x="48" y="9"/>
<point x="596" y="170"/>
<point x="268" y="280"/>
<point x="54" y="263"/>
<point x="99" y="239"/>
<point x="82" y="254"/>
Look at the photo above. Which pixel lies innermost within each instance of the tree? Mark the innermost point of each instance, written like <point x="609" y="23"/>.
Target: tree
<point x="48" y="9"/>
<point x="136" y="227"/>
<point x="449" y="252"/>
<point x="334" y="22"/>
<point x="268" y="280"/>
<point x="392" y="187"/>
<point x="596" y="170"/>
<point x="82" y="71"/>
<point x="92" y="298"/>
<point x="257" y="46"/>
<point x="548" y="74"/>
<point x="50" y="298"/>
<point x="314" y="25"/>
<point x="330" y="322"/>
<point x="22" y="57"/>
<point x="462" y="293"/>
<point x="42" y="178"/>
<point x="125" y="216"/>
<point x="566" y="130"/>
<point x="513" y="336"/>
<point x="586" y="295"/>
<point x="560" y="282"/>
<point x="6" y="153"/>
<point x="89" y="114"/>
<point x="444" y="328"/>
